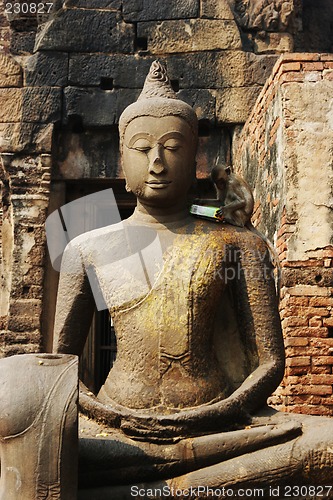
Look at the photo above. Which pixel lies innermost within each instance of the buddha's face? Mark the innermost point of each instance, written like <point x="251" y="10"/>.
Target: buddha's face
<point x="158" y="157"/>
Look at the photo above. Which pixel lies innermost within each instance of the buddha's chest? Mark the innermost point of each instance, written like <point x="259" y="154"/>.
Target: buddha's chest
<point x="178" y="272"/>
<point x="165" y="331"/>
<point x="174" y="319"/>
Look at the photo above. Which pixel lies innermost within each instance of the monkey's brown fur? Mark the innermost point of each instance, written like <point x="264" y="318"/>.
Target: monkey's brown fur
<point x="235" y="201"/>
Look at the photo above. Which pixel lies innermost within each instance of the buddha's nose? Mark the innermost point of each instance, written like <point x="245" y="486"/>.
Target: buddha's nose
<point x="156" y="165"/>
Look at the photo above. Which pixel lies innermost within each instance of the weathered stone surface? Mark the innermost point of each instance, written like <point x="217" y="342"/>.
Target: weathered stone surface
<point x="235" y="139"/>
<point x="78" y="30"/>
<point x="215" y="145"/>
<point x="17" y="17"/>
<point x="190" y="35"/>
<point x="4" y="39"/>
<point x="257" y="68"/>
<point x="146" y="10"/>
<point x="124" y="70"/>
<point x="311" y="276"/>
<point x="308" y="157"/>
<point x="203" y="102"/>
<point x="96" y="107"/>
<point x="191" y="71"/>
<point x="16" y="137"/>
<point x="10" y="72"/>
<point x="22" y="43"/>
<point x="30" y="179"/>
<point x="42" y="105"/>
<point x="316" y="35"/>
<point x="35" y="276"/>
<point x="24" y="315"/>
<point x="125" y="97"/>
<point x="10" y="105"/>
<point x="91" y="154"/>
<point x="273" y="43"/>
<point x="94" y="4"/>
<point x="234" y="105"/>
<point x="231" y="69"/>
<point x="264" y="14"/>
<point x="286" y="150"/>
<point x="49" y="69"/>
<point x="7" y="243"/>
<point x="216" y="9"/>
<point x="30" y="105"/>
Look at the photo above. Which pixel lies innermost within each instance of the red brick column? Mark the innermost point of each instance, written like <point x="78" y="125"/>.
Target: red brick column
<point x="285" y="153"/>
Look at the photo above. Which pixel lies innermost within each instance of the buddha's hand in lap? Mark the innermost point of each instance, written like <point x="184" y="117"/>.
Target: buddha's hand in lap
<point x="226" y="414"/>
<point x="222" y="416"/>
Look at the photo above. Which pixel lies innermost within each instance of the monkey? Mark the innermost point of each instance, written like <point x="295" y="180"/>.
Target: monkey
<point x="234" y="196"/>
<point x="235" y="203"/>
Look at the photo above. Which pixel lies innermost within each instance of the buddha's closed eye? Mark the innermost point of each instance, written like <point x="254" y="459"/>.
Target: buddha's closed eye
<point x="172" y="145"/>
<point x="141" y="145"/>
<point x="145" y="146"/>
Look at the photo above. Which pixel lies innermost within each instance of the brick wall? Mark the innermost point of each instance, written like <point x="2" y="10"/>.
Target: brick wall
<point x="285" y="150"/>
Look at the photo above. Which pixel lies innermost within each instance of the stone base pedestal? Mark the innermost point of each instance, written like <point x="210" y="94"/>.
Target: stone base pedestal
<point x="38" y="427"/>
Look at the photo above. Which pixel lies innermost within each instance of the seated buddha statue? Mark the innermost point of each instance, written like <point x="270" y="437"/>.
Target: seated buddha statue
<point x="199" y="342"/>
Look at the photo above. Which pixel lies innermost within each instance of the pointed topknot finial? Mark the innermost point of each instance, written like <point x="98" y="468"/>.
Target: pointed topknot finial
<point x="158" y="99"/>
<point x="157" y="83"/>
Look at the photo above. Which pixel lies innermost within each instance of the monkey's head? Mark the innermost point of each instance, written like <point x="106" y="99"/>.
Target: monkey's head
<point x="220" y="175"/>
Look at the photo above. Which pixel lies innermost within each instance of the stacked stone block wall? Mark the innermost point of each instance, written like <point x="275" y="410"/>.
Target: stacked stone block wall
<point x="27" y="116"/>
<point x="287" y="142"/>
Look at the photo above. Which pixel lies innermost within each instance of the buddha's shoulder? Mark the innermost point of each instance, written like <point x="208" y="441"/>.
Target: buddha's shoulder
<point x="97" y="237"/>
<point x="230" y="235"/>
<point x="119" y="238"/>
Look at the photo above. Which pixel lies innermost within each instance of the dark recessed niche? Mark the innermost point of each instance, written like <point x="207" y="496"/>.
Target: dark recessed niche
<point x="106" y="83"/>
<point x="330" y="332"/>
<point x="175" y="85"/>
<point x="30" y="229"/>
<point x="142" y="43"/>
<point x="204" y="128"/>
<point x="75" y="124"/>
<point x="318" y="278"/>
<point x="24" y="24"/>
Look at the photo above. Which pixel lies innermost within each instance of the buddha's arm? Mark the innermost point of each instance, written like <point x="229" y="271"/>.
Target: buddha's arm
<point x="75" y="304"/>
<point x="258" y="306"/>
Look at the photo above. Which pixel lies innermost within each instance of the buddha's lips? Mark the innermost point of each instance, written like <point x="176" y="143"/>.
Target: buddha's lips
<point x="158" y="183"/>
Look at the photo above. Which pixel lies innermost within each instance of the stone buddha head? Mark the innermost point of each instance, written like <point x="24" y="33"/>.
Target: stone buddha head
<point x="158" y="142"/>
